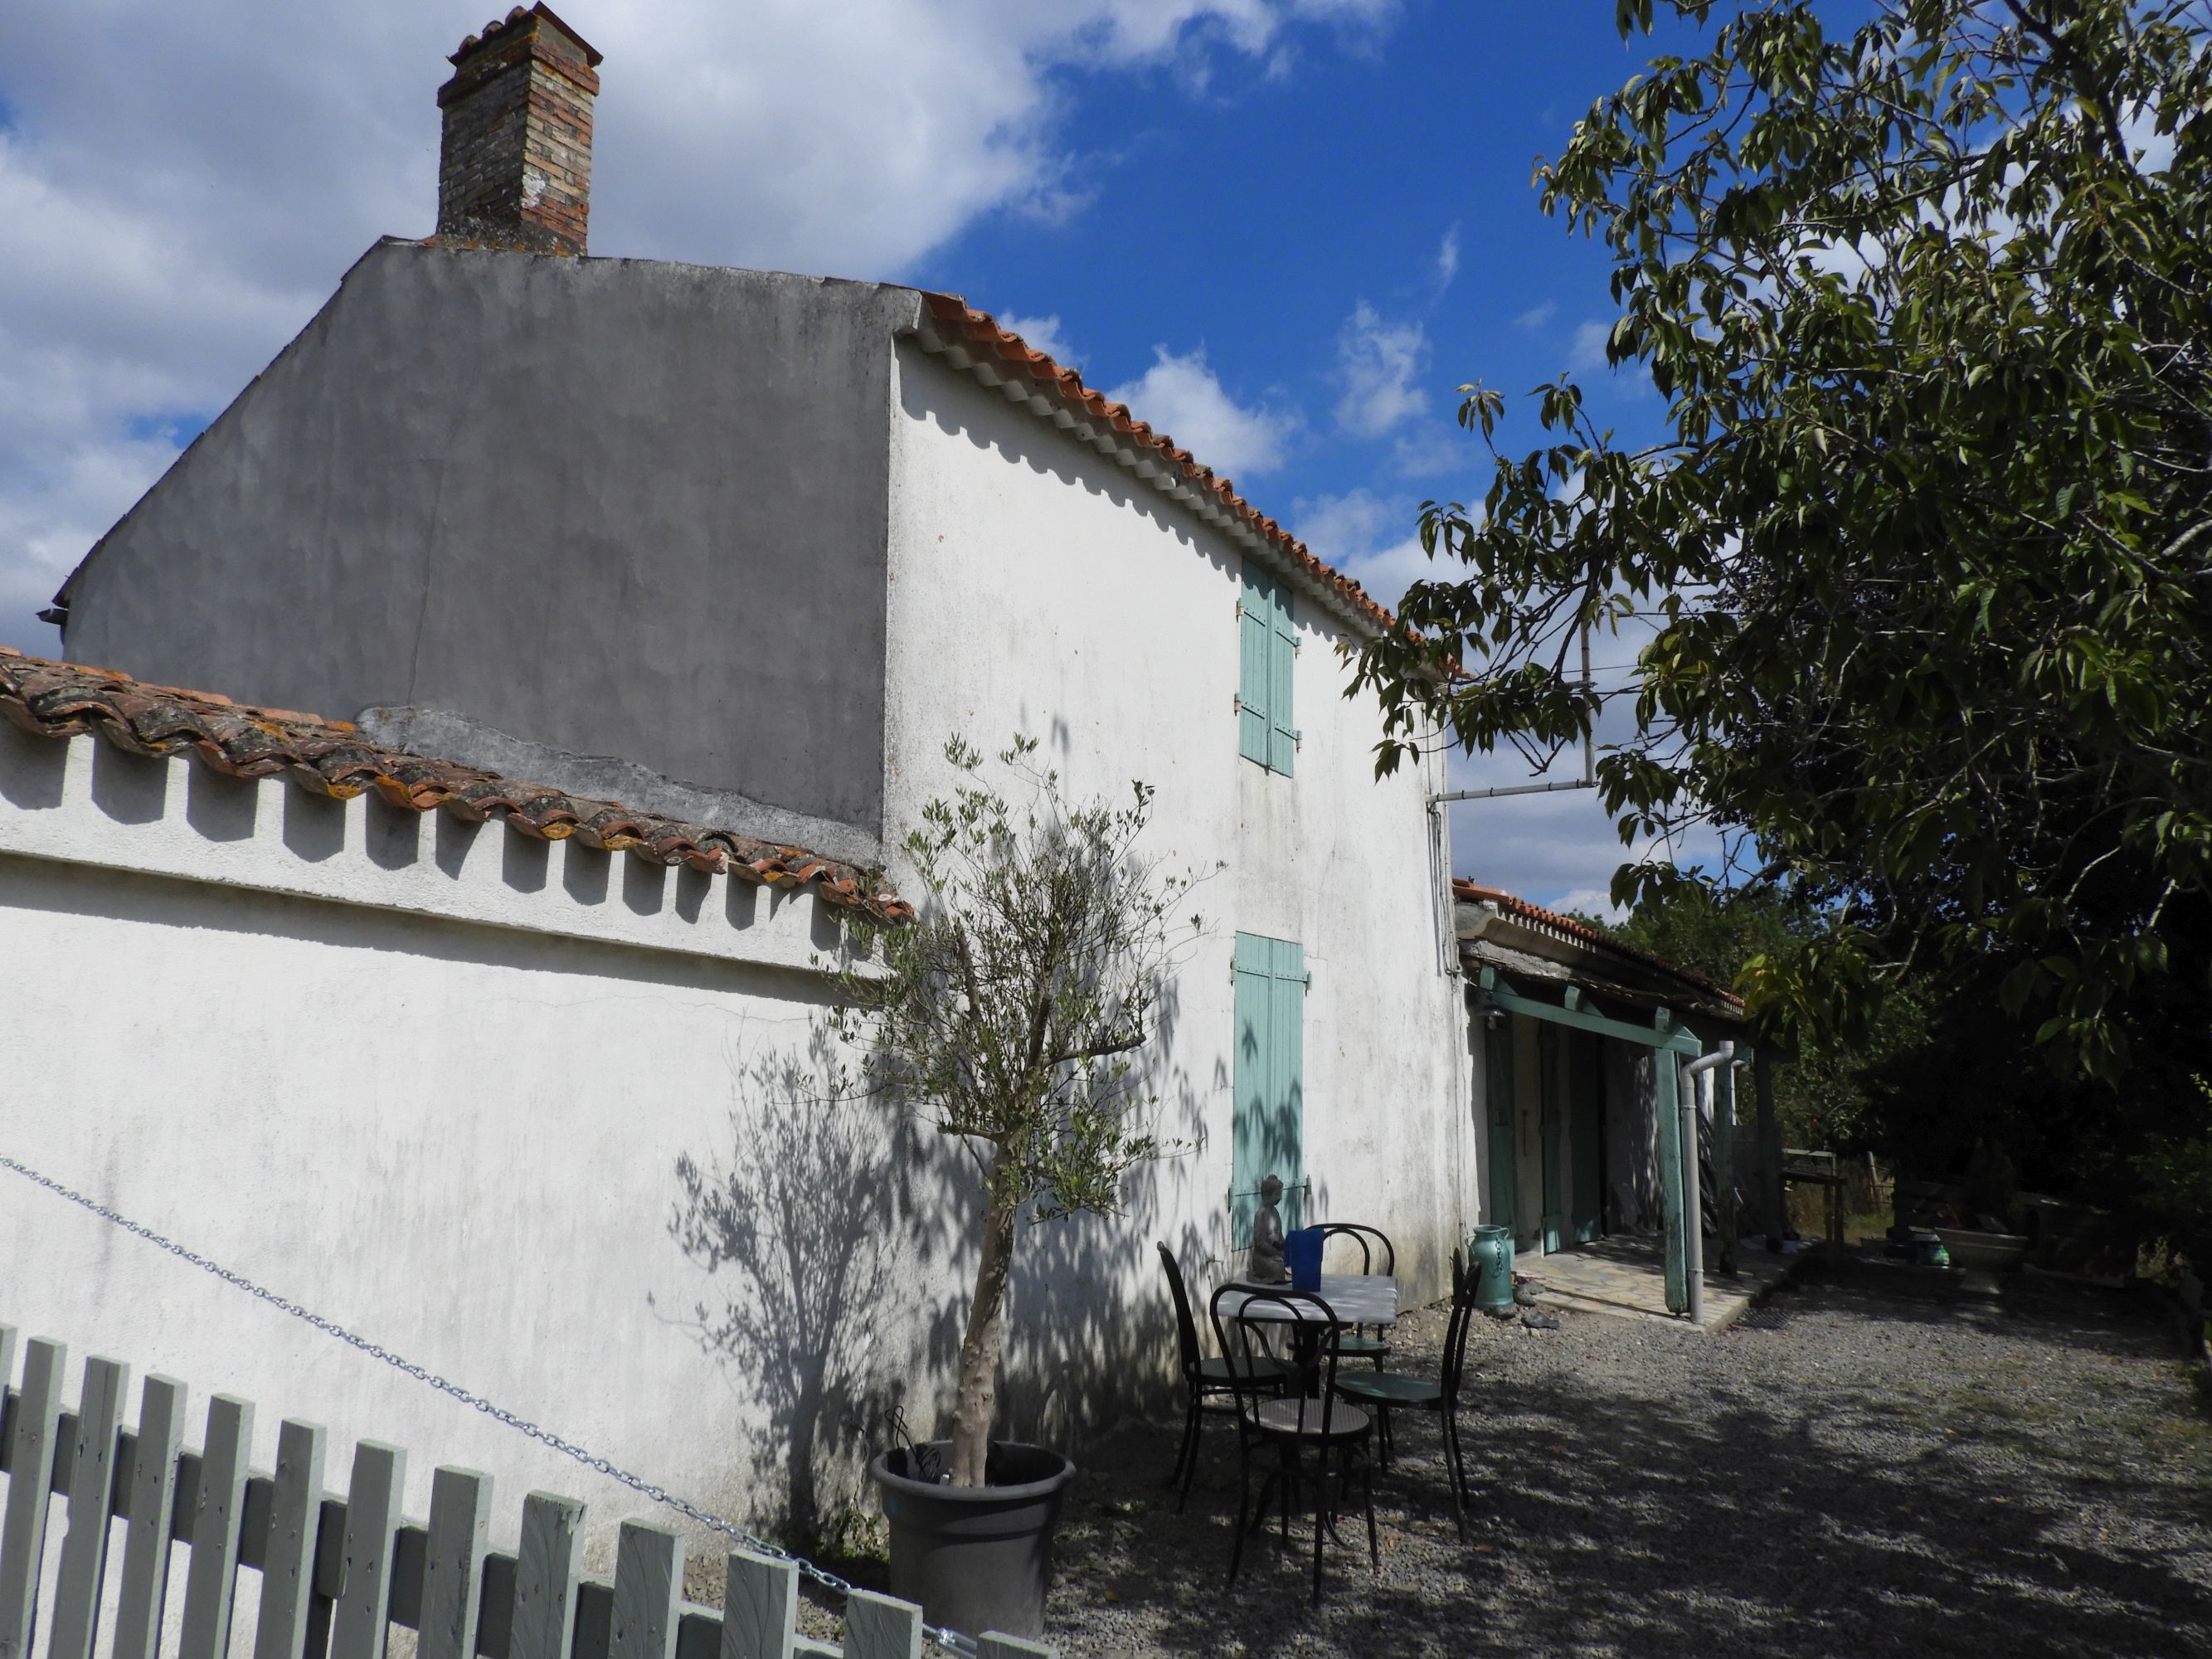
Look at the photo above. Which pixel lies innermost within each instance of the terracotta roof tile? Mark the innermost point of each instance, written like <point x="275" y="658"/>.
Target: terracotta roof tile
<point x="978" y="334"/>
<point x="330" y="758"/>
<point x="1512" y="905"/>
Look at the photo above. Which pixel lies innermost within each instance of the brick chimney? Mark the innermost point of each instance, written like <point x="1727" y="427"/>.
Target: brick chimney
<point x="514" y="170"/>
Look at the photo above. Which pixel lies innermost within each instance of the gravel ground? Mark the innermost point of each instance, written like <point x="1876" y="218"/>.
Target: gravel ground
<point x="1871" y="1463"/>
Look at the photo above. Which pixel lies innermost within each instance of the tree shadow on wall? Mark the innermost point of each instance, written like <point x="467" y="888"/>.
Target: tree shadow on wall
<point x="1090" y="1335"/>
<point x="800" y="1222"/>
<point x="839" y="1229"/>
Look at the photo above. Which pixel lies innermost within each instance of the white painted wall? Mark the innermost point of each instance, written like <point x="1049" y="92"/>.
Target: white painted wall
<point x="1039" y="586"/>
<point x="455" y="1134"/>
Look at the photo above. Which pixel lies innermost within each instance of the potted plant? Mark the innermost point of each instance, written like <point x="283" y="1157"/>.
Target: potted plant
<point x="1013" y="1014"/>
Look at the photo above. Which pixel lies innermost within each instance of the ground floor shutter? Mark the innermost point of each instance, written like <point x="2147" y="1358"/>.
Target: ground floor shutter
<point x="1268" y="1132"/>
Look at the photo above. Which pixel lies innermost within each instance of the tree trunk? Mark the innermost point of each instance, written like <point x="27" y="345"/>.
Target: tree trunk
<point x="976" y="1404"/>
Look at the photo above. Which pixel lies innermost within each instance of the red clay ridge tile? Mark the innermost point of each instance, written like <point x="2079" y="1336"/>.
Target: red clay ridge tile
<point x="330" y="758"/>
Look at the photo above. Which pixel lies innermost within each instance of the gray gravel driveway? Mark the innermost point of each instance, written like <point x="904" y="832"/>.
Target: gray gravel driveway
<point x="1872" y="1464"/>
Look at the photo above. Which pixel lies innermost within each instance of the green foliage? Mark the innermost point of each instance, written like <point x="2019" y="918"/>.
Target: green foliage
<point x="2176" y="1172"/>
<point x="1929" y="538"/>
<point x="1014" y="1011"/>
<point x="1827" y="1088"/>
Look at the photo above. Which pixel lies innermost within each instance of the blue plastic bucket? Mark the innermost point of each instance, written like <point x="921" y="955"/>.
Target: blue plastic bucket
<point x="1302" y="1255"/>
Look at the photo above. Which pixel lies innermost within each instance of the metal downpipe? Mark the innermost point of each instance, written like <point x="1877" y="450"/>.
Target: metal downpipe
<point x="1693" y="1195"/>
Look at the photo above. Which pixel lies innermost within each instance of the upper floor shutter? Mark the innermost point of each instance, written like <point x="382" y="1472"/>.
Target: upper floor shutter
<point x="1254" y="635"/>
<point x="1282" y="662"/>
<point x="1266" y="655"/>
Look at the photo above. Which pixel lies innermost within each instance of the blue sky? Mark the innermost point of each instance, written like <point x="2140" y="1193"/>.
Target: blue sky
<point x="1285" y="230"/>
<point x="1253" y="216"/>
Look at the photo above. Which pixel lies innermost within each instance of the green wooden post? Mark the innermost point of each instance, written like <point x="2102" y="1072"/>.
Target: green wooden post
<point x="1770" y="1148"/>
<point x="1666" y="1081"/>
<point x="1553" y="1109"/>
<point x="1724" y="1161"/>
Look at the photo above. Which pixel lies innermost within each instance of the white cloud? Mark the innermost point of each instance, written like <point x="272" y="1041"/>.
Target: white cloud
<point x="1537" y="316"/>
<point x="1448" y="259"/>
<point x="1346" y="527"/>
<point x="1588" y="902"/>
<point x="1181" y="397"/>
<point x="1042" y="334"/>
<point x="1376" y="363"/>
<point x="1587" y="351"/>
<point x="183" y="186"/>
<point x="1374" y="539"/>
<point x="2153" y="150"/>
<point x="1435" y="448"/>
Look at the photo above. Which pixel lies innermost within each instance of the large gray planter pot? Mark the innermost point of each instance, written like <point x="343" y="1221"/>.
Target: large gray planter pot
<point x="976" y="1558"/>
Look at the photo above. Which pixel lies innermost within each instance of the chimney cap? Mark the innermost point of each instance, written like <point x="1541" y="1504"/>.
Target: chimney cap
<point x="499" y="26"/>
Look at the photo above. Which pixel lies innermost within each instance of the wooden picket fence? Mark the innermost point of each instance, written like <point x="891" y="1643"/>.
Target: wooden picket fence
<point x="337" y="1571"/>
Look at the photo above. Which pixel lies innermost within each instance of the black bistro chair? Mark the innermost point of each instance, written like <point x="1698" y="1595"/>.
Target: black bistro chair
<point x="1290" y="1424"/>
<point x="1206" y="1379"/>
<point x="1359" y="1342"/>
<point x="1382" y="1391"/>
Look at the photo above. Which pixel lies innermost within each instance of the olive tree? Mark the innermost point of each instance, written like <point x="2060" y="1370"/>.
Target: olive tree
<point x="1015" y="1014"/>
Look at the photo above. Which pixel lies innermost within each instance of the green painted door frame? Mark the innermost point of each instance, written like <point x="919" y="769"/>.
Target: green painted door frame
<point x="1504" y="1207"/>
<point x="1554" y="1130"/>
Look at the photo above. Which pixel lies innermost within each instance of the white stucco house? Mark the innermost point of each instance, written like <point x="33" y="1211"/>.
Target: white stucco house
<point x="478" y="1010"/>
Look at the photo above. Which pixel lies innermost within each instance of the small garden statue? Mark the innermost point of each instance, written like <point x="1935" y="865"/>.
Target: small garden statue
<point x="1267" y="1264"/>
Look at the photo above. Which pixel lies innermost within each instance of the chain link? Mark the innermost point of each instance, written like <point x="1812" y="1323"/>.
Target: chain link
<point x="943" y="1637"/>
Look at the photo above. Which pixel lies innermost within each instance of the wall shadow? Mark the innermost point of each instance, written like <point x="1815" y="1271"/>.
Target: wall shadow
<point x="800" y="1216"/>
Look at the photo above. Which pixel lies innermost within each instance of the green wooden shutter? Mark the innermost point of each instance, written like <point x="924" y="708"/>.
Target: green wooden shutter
<point x="1255" y="641"/>
<point x="1282" y="661"/>
<point x="1267" y="1128"/>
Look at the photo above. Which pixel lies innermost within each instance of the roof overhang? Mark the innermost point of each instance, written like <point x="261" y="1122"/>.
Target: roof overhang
<point x="1535" y="953"/>
<point x="973" y="342"/>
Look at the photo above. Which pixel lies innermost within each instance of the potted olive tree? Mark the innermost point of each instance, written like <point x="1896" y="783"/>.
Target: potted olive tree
<point x="1013" y="1014"/>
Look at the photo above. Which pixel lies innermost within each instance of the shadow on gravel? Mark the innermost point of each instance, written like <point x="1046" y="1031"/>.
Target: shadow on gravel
<point x="1688" y="1518"/>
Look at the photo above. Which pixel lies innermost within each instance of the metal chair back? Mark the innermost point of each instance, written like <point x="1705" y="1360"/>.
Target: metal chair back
<point x="1247" y="1335"/>
<point x="1372" y="1242"/>
<point x="1455" y="1330"/>
<point x="1186" y="1326"/>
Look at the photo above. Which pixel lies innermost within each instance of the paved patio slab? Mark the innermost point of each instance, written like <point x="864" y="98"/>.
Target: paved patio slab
<point x="1626" y="1278"/>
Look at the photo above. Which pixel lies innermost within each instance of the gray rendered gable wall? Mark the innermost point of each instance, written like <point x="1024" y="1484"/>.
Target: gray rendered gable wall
<point x="608" y="508"/>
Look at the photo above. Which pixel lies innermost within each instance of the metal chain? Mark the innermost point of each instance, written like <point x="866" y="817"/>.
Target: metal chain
<point x="945" y="1637"/>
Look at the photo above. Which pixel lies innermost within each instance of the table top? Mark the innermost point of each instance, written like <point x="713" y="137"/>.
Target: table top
<point x="1355" y="1298"/>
